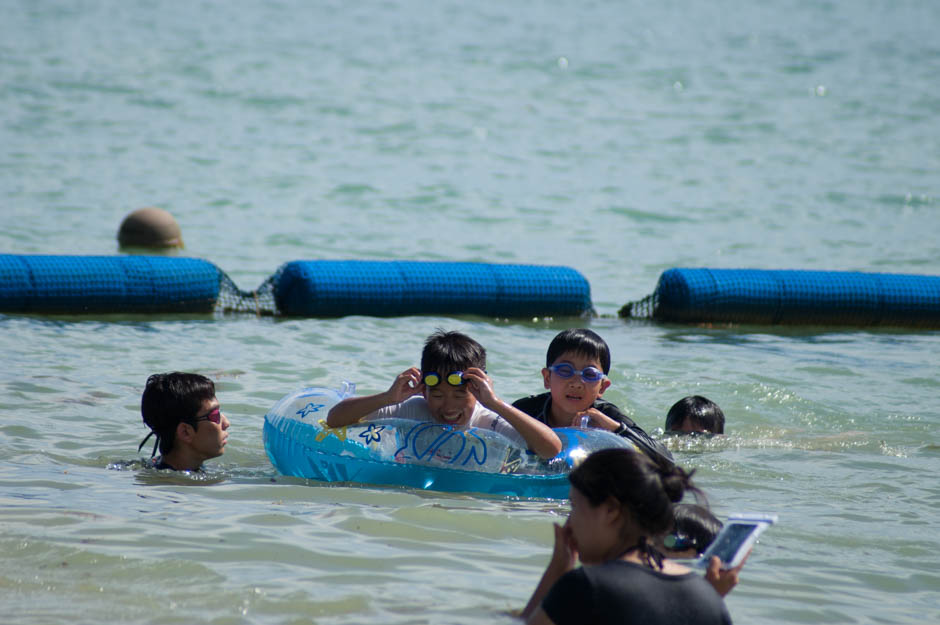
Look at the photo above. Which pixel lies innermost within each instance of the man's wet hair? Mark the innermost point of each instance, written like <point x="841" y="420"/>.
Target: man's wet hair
<point x="169" y="399"/>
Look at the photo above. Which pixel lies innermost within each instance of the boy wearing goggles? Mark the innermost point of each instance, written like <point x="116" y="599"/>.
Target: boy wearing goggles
<point x="575" y="375"/>
<point x="450" y="388"/>
<point x="183" y="413"/>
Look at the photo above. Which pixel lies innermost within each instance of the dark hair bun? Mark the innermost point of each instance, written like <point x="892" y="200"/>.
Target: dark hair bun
<point x="675" y="482"/>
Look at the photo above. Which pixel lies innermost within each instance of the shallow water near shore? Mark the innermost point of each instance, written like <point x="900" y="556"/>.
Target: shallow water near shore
<point x="620" y="139"/>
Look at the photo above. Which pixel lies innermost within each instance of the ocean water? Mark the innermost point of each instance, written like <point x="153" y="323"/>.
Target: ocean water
<point x="619" y="138"/>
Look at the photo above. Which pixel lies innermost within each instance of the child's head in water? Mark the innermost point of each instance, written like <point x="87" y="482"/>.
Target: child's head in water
<point x="576" y="368"/>
<point x="695" y="414"/>
<point x="444" y="359"/>
<point x="695" y="528"/>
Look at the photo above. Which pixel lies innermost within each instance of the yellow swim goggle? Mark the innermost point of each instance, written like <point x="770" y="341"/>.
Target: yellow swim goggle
<point x="432" y="378"/>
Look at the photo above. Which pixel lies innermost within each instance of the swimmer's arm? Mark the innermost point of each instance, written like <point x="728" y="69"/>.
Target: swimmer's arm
<point x="564" y="556"/>
<point x="539" y="437"/>
<point x="352" y="409"/>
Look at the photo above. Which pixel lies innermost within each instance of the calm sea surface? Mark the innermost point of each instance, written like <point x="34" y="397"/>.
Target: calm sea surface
<point x="619" y="138"/>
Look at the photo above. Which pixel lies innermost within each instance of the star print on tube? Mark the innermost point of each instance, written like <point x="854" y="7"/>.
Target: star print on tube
<point x="311" y="407"/>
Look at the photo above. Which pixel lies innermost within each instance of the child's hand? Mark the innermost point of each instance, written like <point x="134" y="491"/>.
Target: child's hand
<point x="565" y="553"/>
<point x="481" y="386"/>
<point x="597" y="419"/>
<point x="723" y="580"/>
<point x="407" y="383"/>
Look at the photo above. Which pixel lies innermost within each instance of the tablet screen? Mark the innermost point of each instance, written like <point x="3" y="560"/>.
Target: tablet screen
<point x="728" y="542"/>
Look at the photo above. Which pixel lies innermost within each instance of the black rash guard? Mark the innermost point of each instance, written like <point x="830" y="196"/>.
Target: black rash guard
<point x="618" y="593"/>
<point x="540" y="407"/>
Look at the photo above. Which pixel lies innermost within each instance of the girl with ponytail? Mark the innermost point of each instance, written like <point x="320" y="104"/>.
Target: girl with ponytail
<point x="620" y="502"/>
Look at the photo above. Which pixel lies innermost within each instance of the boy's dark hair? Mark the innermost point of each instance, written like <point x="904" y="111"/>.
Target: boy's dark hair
<point x="170" y="398"/>
<point x="696" y="524"/>
<point x="451" y="351"/>
<point x="581" y="341"/>
<point x="703" y="412"/>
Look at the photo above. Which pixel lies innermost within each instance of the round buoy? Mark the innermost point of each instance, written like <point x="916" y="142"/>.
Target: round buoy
<point x="150" y="227"/>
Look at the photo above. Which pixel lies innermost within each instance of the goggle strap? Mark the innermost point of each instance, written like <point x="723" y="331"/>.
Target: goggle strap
<point x="155" y="443"/>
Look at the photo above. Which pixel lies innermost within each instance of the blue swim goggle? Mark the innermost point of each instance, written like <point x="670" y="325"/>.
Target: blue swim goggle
<point x="589" y="375"/>
<point x="432" y="378"/>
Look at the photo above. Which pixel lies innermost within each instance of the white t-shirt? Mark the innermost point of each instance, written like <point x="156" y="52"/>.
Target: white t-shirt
<point x="416" y="409"/>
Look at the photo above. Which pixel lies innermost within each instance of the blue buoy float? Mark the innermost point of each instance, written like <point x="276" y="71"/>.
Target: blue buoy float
<point x="107" y="284"/>
<point x="762" y="296"/>
<point x="330" y="288"/>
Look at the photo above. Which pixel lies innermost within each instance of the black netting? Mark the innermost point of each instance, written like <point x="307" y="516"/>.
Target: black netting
<point x="640" y="309"/>
<point x="260" y="301"/>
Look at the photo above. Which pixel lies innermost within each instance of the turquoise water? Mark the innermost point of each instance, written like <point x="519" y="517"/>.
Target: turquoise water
<point x="619" y="138"/>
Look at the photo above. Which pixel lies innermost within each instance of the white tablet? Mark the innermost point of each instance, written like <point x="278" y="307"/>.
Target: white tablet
<point x="735" y="539"/>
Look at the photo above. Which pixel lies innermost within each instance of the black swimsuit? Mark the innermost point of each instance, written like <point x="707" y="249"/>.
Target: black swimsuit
<point x="540" y="407"/>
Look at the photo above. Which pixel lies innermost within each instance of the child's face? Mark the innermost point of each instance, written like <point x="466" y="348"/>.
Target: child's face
<point x="573" y="395"/>
<point x="689" y="426"/>
<point x="448" y="404"/>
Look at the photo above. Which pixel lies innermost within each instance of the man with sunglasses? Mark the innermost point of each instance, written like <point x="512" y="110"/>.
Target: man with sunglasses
<point x="183" y="413"/>
<point x="450" y="388"/>
<point x="575" y="375"/>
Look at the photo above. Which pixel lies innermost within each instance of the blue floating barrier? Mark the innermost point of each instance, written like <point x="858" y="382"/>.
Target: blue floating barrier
<point x="331" y="288"/>
<point x="795" y="297"/>
<point x="107" y="284"/>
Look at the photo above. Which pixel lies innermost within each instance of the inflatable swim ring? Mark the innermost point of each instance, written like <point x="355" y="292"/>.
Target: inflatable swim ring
<point x="416" y="454"/>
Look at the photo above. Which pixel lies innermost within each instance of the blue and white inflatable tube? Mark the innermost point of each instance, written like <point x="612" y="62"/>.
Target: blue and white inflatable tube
<point x="416" y="454"/>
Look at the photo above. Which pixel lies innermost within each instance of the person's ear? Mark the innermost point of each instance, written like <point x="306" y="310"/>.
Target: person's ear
<point x="547" y="378"/>
<point x="612" y="511"/>
<point x="185" y="432"/>
<point x="605" y="384"/>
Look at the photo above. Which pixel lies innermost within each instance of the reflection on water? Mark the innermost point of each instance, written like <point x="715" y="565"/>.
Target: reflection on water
<point x="669" y="136"/>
